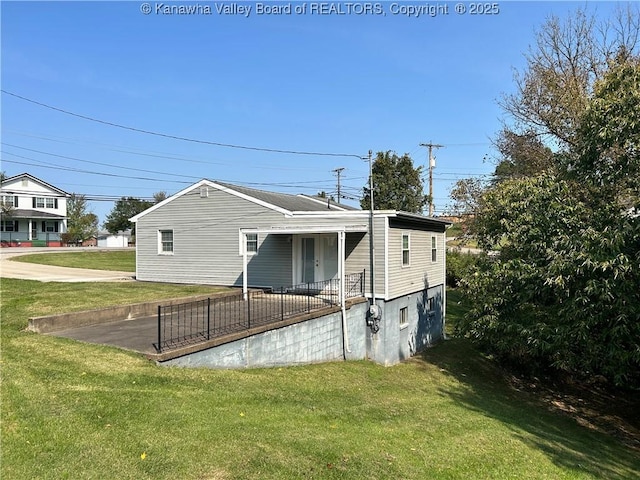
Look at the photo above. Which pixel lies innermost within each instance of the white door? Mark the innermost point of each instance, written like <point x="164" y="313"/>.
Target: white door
<point x="317" y="258"/>
<point x="309" y="259"/>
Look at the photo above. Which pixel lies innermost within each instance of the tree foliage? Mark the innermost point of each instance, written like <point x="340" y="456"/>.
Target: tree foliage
<point x="563" y="292"/>
<point x="554" y="89"/>
<point x="123" y="210"/>
<point x="81" y="224"/>
<point x="397" y="184"/>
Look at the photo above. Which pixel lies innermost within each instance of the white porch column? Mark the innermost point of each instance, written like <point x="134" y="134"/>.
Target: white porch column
<point x="245" y="283"/>
<point x="30" y="229"/>
<point x="341" y="251"/>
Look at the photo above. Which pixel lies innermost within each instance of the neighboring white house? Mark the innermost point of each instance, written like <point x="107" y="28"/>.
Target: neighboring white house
<point x="37" y="212"/>
<point x="221" y="234"/>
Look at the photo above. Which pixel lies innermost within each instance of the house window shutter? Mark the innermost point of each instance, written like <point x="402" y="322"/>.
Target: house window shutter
<point x="55" y="227"/>
<point x="44" y="226"/>
<point x="33" y="202"/>
<point x="55" y="204"/>
<point x="15" y="201"/>
<point x="15" y="225"/>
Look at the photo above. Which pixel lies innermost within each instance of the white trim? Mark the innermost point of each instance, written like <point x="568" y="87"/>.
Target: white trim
<point x="242" y="233"/>
<point x="304" y="229"/>
<point x="160" y="250"/>
<point x="386" y="258"/>
<point x="208" y="183"/>
<point x="431" y="249"/>
<point x="402" y="249"/>
<point x="36" y="180"/>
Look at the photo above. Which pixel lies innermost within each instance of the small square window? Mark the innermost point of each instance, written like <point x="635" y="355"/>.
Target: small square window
<point x="39" y="202"/>
<point x="166" y="241"/>
<point x="50" y="203"/>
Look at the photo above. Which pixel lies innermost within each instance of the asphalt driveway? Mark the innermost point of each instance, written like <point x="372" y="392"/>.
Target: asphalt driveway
<point x="49" y="273"/>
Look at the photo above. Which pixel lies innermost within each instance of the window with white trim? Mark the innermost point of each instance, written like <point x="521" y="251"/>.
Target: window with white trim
<point x="50" y="227"/>
<point x="10" y="201"/>
<point x="434" y="249"/>
<point x="165" y="242"/>
<point x="404" y="316"/>
<point x="45" y="202"/>
<point x="252" y="243"/>
<point x="406" y="249"/>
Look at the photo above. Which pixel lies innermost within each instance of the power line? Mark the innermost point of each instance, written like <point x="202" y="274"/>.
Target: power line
<point x="176" y="137"/>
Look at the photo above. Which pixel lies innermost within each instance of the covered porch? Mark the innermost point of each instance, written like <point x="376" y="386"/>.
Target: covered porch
<point x="318" y="255"/>
<point x="32" y="228"/>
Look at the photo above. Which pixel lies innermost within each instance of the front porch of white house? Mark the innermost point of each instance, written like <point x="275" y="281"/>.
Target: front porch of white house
<point x="318" y="255"/>
<point x="27" y="227"/>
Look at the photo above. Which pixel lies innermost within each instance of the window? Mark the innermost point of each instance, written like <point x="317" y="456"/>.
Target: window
<point x="166" y="242"/>
<point x="45" y="202"/>
<point x="404" y="316"/>
<point x="405" y="250"/>
<point x="434" y="249"/>
<point x="9" y="225"/>
<point x="50" y="227"/>
<point x="10" y="201"/>
<point x="252" y="243"/>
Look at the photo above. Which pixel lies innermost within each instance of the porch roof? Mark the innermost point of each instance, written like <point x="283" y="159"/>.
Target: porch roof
<point x="24" y="213"/>
<point x="302" y="229"/>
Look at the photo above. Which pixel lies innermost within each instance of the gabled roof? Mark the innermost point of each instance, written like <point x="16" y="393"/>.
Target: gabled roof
<point x="282" y="202"/>
<point x="37" y="180"/>
<point x="287" y="201"/>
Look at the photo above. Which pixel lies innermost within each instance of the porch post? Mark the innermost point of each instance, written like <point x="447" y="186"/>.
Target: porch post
<point x="245" y="283"/>
<point x="31" y="229"/>
<point x="341" y="279"/>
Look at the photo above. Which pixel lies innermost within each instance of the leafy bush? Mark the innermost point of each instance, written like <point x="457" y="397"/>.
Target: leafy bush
<point x="459" y="264"/>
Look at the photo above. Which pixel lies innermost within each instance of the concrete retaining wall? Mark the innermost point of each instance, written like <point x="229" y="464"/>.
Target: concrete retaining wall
<point x="54" y="323"/>
<point x="313" y="341"/>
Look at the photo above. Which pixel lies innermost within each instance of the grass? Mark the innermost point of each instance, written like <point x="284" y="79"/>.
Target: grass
<point x="74" y="410"/>
<point x="118" y="260"/>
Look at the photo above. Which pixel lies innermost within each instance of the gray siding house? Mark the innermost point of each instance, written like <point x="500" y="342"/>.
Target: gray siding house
<point x="220" y="234"/>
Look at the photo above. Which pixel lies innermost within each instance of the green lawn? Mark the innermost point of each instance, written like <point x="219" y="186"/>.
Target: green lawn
<point x="80" y="411"/>
<point x="118" y="260"/>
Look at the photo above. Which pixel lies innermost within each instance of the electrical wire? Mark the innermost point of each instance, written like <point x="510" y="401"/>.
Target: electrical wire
<point x="176" y="137"/>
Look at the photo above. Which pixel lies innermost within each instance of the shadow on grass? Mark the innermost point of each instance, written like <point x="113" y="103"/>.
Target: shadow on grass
<point x="484" y="389"/>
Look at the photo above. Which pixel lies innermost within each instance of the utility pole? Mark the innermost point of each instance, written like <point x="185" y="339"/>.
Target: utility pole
<point x="338" y="171"/>
<point x="432" y="164"/>
<point x="373" y="319"/>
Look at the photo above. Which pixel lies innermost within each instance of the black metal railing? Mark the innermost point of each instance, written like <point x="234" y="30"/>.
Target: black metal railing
<point x="189" y="323"/>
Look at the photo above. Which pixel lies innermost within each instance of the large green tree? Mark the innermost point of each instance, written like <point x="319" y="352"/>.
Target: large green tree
<point x="123" y="210"/>
<point x="397" y="184"/>
<point x="569" y="56"/>
<point x="81" y="224"/>
<point x="563" y="292"/>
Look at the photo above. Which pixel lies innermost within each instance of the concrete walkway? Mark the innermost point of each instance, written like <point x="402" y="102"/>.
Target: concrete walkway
<point x="50" y="273"/>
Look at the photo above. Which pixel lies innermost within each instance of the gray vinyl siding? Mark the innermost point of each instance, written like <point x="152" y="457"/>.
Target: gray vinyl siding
<point x="422" y="272"/>
<point x="206" y="242"/>
<point x="357" y="255"/>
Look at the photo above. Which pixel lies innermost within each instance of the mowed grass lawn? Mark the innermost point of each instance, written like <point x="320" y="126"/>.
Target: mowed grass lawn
<point x="118" y="260"/>
<point x="80" y="411"/>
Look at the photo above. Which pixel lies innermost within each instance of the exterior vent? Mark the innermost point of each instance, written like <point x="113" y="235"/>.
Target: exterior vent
<point x="204" y="192"/>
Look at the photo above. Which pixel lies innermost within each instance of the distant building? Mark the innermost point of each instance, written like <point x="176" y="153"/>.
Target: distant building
<point x="36" y="213"/>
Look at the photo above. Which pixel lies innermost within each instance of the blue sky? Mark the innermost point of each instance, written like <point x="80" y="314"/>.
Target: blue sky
<point x="338" y="84"/>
